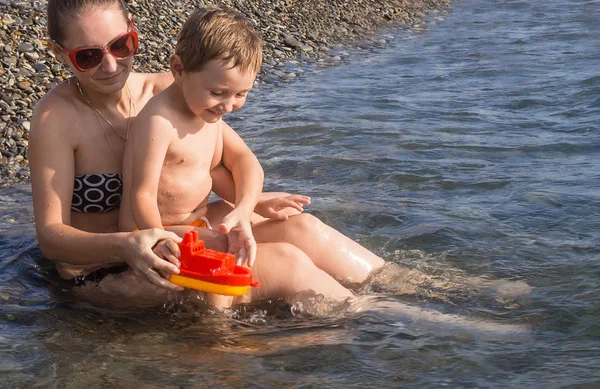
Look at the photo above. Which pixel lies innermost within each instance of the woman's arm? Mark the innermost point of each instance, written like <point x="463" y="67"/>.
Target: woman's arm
<point x="51" y="160"/>
<point x="222" y="183"/>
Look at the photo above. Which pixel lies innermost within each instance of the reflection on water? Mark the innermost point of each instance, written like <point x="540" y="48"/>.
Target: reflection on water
<point x="464" y="153"/>
<point x="50" y="338"/>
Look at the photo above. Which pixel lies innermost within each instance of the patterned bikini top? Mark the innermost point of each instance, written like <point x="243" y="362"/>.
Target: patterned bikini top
<point x="97" y="192"/>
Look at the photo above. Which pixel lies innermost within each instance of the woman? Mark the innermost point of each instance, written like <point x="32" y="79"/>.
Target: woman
<point x="77" y="139"/>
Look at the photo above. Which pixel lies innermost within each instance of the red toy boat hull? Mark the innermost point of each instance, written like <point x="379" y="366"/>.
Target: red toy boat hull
<point x="200" y="263"/>
<point x="241" y="276"/>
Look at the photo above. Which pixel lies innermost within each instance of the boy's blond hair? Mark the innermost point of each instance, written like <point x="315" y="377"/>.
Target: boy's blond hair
<point x="211" y="33"/>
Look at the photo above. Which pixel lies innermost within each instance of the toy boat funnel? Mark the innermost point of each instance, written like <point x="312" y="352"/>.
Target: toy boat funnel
<point x="210" y="270"/>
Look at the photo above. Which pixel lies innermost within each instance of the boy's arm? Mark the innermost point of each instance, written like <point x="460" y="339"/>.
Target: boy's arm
<point x="151" y="139"/>
<point x="247" y="173"/>
<point x="248" y="179"/>
<point x="272" y="205"/>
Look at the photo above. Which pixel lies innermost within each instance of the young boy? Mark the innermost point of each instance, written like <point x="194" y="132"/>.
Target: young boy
<point x="179" y="139"/>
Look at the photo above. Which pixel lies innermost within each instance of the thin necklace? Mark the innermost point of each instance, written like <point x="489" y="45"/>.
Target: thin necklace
<point x="99" y="114"/>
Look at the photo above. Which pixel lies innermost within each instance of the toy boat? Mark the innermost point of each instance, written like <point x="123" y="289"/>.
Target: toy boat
<point x="210" y="270"/>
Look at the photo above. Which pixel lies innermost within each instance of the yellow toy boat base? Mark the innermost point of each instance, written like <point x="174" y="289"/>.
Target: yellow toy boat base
<point x="209" y="287"/>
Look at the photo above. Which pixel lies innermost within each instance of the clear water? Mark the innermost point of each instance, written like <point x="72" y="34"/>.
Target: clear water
<point x="468" y="148"/>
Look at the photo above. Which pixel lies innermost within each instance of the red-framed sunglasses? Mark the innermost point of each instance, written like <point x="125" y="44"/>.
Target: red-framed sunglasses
<point x="88" y="58"/>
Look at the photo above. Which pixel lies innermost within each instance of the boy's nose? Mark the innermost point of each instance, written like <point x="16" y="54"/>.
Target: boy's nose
<point x="228" y="106"/>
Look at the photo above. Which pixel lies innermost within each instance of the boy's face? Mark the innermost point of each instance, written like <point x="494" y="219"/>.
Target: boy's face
<point x="216" y="90"/>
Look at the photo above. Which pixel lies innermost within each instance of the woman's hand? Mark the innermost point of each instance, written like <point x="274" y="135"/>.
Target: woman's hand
<point x="239" y="235"/>
<point x="150" y="264"/>
<point x="280" y="208"/>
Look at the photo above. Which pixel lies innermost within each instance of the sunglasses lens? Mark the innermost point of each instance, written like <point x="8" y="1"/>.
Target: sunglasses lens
<point x="88" y="58"/>
<point x="123" y="47"/>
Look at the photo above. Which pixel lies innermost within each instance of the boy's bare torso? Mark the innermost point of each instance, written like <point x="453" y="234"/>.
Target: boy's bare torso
<point x="185" y="182"/>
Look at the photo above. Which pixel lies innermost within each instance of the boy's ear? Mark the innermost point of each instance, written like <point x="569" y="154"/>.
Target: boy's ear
<point x="176" y="66"/>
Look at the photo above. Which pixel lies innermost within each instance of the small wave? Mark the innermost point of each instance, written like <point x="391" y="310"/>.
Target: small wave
<point x="591" y="81"/>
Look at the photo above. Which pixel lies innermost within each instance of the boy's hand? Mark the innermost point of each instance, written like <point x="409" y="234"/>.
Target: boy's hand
<point x="239" y="235"/>
<point x="280" y="208"/>
<point x="168" y="250"/>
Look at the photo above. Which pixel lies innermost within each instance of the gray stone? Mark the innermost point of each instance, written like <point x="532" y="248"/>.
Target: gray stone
<point x="25" y="47"/>
<point x="32" y="56"/>
<point x="291" y="41"/>
<point x="40" y="67"/>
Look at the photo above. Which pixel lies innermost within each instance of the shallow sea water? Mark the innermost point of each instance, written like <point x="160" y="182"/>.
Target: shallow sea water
<point x="466" y="148"/>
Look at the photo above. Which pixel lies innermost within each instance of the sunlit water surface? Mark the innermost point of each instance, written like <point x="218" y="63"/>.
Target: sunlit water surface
<point x="466" y="148"/>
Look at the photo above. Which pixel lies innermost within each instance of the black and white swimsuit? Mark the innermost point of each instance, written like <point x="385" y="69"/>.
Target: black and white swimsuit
<point x="97" y="193"/>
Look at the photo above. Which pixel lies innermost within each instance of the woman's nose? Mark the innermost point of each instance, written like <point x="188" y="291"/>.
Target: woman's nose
<point x="109" y="63"/>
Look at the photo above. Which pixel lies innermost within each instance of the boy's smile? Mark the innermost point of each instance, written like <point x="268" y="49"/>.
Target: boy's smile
<point x="216" y="90"/>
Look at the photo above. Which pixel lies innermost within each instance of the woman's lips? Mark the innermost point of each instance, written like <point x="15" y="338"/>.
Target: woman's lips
<point x="109" y="79"/>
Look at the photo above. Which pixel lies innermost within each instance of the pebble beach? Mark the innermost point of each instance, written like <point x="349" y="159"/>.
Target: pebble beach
<point x="303" y="32"/>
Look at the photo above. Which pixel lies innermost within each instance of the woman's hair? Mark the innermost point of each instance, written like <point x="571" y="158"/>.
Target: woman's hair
<point x="211" y="33"/>
<point x="60" y="11"/>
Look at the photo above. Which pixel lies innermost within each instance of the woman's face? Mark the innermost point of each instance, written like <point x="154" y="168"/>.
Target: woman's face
<point x="98" y="27"/>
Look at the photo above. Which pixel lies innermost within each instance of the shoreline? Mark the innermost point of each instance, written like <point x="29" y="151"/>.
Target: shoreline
<point x="299" y="32"/>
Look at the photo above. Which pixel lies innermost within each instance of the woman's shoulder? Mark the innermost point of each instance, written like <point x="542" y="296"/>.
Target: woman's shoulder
<point x="152" y="82"/>
<point x="59" y="96"/>
<point x="55" y="105"/>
